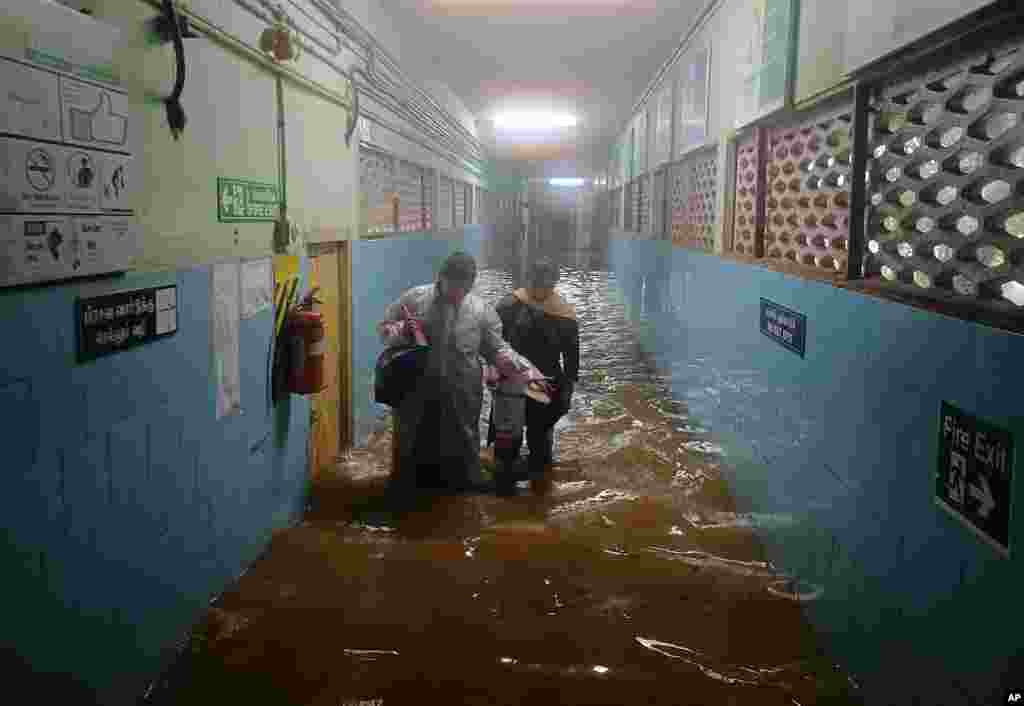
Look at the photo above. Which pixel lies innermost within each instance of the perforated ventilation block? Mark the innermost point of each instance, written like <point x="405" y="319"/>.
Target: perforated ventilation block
<point x="748" y="220"/>
<point x="945" y="204"/>
<point x="694" y="199"/>
<point x="807" y="206"/>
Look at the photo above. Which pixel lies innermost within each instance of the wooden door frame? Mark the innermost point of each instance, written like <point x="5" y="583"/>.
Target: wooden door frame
<point x="345" y="416"/>
<point x="343" y="249"/>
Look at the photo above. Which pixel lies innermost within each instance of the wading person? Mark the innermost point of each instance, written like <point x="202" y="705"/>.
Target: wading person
<point x="438" y="419"/>
<point x="541" y="326"/>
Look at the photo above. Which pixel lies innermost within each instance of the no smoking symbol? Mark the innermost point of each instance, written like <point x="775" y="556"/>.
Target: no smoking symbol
<point x="39" y="170"/>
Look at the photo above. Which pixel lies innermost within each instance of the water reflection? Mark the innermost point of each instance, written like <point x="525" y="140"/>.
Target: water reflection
<point x="633" y="578"/>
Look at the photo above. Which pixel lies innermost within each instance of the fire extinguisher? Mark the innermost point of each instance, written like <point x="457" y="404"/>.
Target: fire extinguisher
<point x="306" y="336"/>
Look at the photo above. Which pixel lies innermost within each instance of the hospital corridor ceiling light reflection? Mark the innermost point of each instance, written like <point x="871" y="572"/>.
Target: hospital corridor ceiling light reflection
<point x="533" y="120"/>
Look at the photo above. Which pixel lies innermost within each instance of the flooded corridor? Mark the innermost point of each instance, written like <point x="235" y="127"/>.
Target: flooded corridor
<point x="633" y="577"/>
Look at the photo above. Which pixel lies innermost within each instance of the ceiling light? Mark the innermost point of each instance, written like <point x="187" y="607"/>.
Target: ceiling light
<point x="533" y="121"/>
<point x="572" y="181"/>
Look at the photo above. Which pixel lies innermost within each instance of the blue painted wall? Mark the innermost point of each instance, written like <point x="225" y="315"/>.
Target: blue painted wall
<point x="846" y="439"/>
<point x="126" y="505"/>
<point x="381" y="270"/>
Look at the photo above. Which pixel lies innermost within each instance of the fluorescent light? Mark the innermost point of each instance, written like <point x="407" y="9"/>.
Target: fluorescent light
<point x="566" y="181"/>
<point x="533" y="121"/>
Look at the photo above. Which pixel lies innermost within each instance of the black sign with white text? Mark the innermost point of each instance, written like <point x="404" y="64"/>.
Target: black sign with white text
<point x="972" y="481"/>
<point x="784" y="325"/>
<point x="111" y="323"/>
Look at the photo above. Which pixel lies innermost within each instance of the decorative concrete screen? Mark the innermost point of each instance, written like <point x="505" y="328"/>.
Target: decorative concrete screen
<point x="945" y="202"/>
<point x="658" y="229"/>
<point x="444" y="203"/>
<point x="694" y="198"/>
<point x="377" y="182"/>
<point x="808" y="191"/>
<point x="428" y="199"/>
<point x="643" y="204"/>
<point x="748" y="228"/>
<point x="629" y="205"/>
<point x="460" y="203"/>
<point x="409" y="184"/>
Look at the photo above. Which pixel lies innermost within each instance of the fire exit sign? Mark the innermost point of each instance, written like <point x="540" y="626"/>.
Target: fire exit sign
<point x="972" y="481"/>
<point x="243" y="201"/>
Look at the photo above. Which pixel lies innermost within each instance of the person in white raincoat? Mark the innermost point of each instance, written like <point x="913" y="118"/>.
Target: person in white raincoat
<point x="438" y="421"/>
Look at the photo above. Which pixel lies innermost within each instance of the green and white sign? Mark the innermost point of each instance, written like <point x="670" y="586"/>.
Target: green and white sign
<point x="240" y="200"/>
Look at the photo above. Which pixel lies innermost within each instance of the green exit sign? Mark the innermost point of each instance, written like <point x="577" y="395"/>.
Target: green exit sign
<point x="240" y="200"/>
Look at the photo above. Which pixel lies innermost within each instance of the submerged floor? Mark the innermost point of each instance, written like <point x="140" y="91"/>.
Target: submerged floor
<point x="632" y="578"/>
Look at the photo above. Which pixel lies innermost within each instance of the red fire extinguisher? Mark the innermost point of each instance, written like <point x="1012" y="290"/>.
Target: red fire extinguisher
<point x="306" y="335"/>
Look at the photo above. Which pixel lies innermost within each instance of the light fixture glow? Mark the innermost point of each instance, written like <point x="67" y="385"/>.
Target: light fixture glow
<point x="572" y="181"/>
<point x="533" y="121"/>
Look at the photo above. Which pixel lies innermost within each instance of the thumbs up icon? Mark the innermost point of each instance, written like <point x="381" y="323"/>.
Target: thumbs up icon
<point x="107" y="126"/>
<point x="99" y="125"/>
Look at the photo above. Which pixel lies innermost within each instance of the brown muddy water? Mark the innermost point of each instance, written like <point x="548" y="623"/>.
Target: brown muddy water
<point x="629" y="578"/>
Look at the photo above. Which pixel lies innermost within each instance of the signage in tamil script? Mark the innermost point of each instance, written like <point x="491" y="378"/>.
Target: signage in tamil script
<point x="787" y="327"/>
<point x="111" y="323"/>
<point x="240" y="200"/>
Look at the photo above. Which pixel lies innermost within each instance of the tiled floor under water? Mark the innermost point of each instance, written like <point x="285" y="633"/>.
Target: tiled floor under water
<point x="630" y="579"/>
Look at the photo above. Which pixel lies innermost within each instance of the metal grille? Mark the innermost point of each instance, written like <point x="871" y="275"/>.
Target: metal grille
<point x="807" y="212"/>
<point x="409" y="181"/>
<point x="694" y="198"/>
<point x="460" y="203"/>
<point x="377" y="181"/>
<point x="748" y="229"/>
<point x="629" y="205"/>
<point x="643" y="203"/>
<point x="444" y="203"/>
<point x="945" y="203"/>
<point x="658" y="209"/>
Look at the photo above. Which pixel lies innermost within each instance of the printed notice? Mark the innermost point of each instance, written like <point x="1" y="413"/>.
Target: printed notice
<point x="29" y="103"/>
<point x="64" y="179"/>
<point x="224" y="319"/>
<point x="257" y="287"/>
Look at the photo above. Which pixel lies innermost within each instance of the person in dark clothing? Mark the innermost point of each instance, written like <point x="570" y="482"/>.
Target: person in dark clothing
<point x="542" y="327"/>
<point x="438" y="421"/>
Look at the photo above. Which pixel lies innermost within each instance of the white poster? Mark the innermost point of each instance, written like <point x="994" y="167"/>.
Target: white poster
<point x="257" y="287"/>
<point x="30" y="103"/>
<point x="224" y="320"/>
<point x="64" y="151"/>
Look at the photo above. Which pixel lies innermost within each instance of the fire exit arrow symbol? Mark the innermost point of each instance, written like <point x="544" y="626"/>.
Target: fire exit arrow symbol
<point x="983" y="495"/>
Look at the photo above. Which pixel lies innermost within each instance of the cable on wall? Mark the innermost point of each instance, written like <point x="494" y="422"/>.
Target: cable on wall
<point x="175" y="112"/>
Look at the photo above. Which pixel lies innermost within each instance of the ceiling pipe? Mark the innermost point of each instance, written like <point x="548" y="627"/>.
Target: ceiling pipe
<point x="387" y="102"/>
<point x="349" y="22"/>
<point x="413" y="113"/>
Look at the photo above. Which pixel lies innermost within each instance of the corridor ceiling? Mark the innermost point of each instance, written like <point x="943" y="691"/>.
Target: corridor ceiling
<point x="592" y="58"/>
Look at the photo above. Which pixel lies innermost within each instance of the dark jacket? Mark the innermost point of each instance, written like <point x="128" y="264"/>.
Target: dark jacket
<point x="547" y="334"/>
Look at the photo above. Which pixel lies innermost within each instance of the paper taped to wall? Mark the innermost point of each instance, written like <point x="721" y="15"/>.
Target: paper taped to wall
<point x="257" y="287"/>
<point x="224" y="320"/>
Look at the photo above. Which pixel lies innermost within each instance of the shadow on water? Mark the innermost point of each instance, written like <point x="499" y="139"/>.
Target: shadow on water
<point x="633" y="577"/>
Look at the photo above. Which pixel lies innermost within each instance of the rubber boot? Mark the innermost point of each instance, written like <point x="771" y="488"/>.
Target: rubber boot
<point x="504" y="474"/>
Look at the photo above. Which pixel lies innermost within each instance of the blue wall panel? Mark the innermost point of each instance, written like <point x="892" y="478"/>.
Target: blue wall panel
<point x="381" y="270"/>
<point x="126" y="504"/>
<point x="846" y="439"/>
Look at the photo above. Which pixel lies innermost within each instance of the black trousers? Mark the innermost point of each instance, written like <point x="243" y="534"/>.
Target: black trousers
<point x="540" y="437"/>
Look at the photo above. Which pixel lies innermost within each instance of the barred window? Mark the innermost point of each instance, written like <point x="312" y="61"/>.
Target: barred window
<point x="379" y="196"/>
